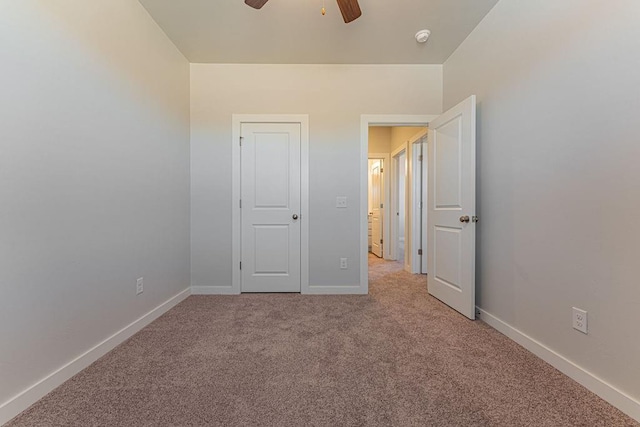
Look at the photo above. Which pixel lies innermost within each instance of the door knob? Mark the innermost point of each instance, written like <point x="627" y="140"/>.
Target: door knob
<point x="464" y="218"/>
<point x="295" y="216"/>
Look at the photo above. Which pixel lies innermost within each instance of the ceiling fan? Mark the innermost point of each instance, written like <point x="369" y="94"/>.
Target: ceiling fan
<point x="350" y="9"/>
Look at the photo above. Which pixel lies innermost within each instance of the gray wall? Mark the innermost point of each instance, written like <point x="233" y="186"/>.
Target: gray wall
<point x="94" y="178"/>
<point x="558" y="85"/>
<point x="334" y="96"/>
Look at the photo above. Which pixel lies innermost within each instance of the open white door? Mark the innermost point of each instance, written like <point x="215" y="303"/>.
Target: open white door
<point x="376" y="208"/>
<point x="452" y="207"/>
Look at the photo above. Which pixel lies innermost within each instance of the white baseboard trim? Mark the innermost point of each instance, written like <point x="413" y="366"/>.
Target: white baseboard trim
<point x="311" y="290"/>
<point x="214" y="290"/>
<point x="335" y="290"/>
<point x="606" y="391"/>
<point x="26" y="398"/>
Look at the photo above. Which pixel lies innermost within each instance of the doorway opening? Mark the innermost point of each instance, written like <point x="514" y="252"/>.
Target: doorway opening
<point x="399" y="204"/>
<point x="396" y="185"/>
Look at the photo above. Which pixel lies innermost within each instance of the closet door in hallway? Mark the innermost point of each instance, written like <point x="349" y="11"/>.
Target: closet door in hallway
<point x="376" y="208"/>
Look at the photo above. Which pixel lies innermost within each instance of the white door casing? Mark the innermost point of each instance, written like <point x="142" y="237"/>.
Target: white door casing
<point x="424" y="210"/>
<point x="398" y="180"/>
<point x="236" y="235"/>
<point x="377" y="216"/>
<point x="416" y="203"/>
<point x="452" y="207"/>
<point x="270" y="208"/>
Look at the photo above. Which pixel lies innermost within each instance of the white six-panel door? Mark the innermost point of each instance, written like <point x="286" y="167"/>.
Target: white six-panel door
<point x="270" y="211"/>
<point x="452" y="207"/>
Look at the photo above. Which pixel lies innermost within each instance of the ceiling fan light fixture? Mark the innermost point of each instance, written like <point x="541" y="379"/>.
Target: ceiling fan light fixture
<point x="422" y="36"/>
<point x="350" y="9"/>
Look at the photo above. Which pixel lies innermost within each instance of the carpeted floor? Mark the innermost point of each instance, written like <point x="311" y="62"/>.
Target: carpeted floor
<point x="395" y="357"/>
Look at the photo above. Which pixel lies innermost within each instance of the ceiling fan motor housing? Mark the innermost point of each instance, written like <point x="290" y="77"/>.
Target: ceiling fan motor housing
<point x="350" y="9"/>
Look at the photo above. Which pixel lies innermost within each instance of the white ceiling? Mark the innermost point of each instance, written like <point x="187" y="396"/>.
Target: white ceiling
<point x="295" y="32"/>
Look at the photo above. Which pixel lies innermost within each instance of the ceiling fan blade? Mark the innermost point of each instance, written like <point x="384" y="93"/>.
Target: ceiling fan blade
<point x="256" y="4"/>
<point x="350" y="10"/>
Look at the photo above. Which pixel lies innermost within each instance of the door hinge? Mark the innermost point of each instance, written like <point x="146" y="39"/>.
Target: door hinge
<point x="475" y="218"/>
<point x="420" y="157"/>
<point x="381" y="205"/>
<point x="240" y="265"/>
<point x="381" y="242"/>
<point x="240" y="203"/>
<point x="381" y="170"/>
<point x="419" y="251"/>
<point x="420" y="205"/>
<point x="241" y="138"/>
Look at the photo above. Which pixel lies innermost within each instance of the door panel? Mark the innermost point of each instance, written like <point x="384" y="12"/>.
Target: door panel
<point x="448" y="165"/>
<point x="376" y="216"/>
<point x="271" y="178"/>
<point x="270" y="241"/>
<point x="270" y="194"/>
<point x="447" y="250"/>
<point x="452" y="197"/>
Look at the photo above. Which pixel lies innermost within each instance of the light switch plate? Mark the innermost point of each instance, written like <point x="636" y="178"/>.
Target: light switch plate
<point x="341" y="202"/>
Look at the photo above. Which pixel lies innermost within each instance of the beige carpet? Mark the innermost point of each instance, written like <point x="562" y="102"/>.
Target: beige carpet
<point x="395" y="357"/>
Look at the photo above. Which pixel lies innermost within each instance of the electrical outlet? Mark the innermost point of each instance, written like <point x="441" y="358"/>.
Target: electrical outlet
<point x="580" y="320"/>
<point x="343" y="263"/>
<point x="341" y="202"/>
<point x="139" y="286"/>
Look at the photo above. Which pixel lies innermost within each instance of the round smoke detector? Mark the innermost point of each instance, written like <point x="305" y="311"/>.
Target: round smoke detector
<point x="422" y="36"/>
